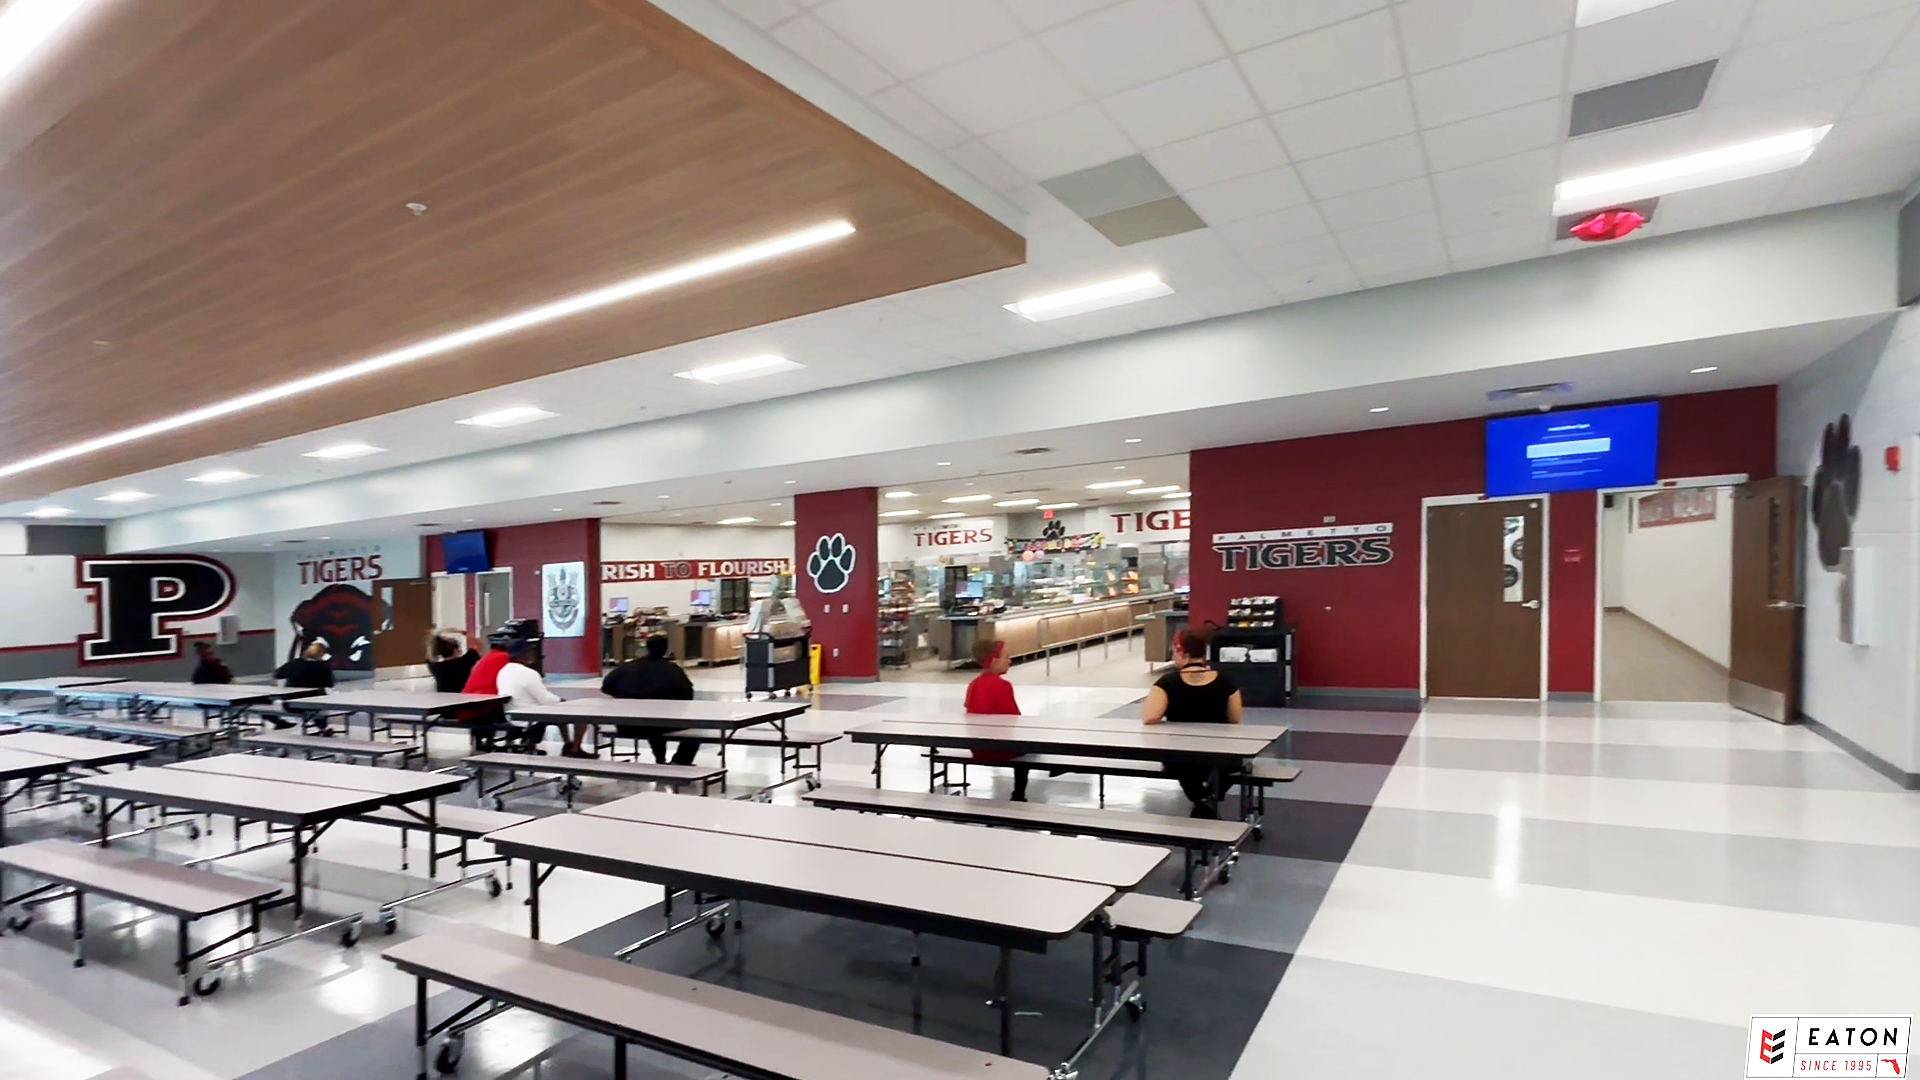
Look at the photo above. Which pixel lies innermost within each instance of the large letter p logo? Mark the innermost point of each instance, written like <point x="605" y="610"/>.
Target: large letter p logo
<point x="140" y="602"/>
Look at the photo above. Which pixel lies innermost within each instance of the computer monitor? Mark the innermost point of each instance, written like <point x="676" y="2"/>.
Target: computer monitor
<point x="619" y="605"/>
<point x="703" y="598"/>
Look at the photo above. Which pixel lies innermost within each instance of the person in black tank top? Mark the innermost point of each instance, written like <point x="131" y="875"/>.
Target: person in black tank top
<point x="1193" y="693"/>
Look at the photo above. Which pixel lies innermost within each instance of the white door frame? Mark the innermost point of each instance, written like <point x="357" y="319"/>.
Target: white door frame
<point x="1600" y="550"/>
<point x="1546" y="572"/>
<point x="479" y="598"/>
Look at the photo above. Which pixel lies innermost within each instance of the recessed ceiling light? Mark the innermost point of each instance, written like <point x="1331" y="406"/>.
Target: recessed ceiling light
<point x="1589" y="12"/>
<point x="900" y="495"/>
<point x="221" y="476"/>
<point x="508" y="324"/>
<point x="1737" y="162"/>
<point x="788" y="524"/>
<point x="1178" y="495"/>
<point x="1094" y="297"/>
<point x="967" y="498"/>
<point x="943" y="464"/>
<point x="1056" y="506"/>
<point x="29" y="27"/>
<point x="736" y="520"/>
<point x="1380" y="408"/>
<point x="1704" y="370"/>
<point x="1154" y="490"/>
<point x="735" y="370"/>
<point x="1133" y="440"/>
<point x="127" y="496"/>
<point x="343" y="451"/>
<point x="512" y="417"/>
<point x="663" y="496"/>
<point x="1105" y="484"/>
<point x="558" y="510"/>
<point x="48" y="512"/>
<point x="948" y="516"/>
<point x="792" y="481"/>
<point x="1018" y="502"/>
<point x="901" y="513"/>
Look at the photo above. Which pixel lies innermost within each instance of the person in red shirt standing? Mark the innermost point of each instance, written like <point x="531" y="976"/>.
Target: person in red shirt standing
<point x="990" y="694"/>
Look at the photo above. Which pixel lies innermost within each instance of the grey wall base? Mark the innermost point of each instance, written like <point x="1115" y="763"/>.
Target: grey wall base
<point x="1357" y="697"/>
<point x="1910" y="781"/>
<point x="254" y="655"/>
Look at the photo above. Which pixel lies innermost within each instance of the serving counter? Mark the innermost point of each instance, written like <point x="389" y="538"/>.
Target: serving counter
<point x="1033" y="631"/>
<point x="716" y="641"/>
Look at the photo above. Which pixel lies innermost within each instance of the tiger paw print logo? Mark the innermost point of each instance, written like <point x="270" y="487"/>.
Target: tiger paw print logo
<point x="831" y="564"/>
<point x="1836" y="491"/>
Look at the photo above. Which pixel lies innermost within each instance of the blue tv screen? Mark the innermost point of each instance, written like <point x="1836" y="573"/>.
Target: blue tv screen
<point x="1581" y="450"/>
<point x="466" y="552"/>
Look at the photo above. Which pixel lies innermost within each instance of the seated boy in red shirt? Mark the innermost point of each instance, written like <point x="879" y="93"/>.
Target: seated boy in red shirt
<point x="990" y="694"/>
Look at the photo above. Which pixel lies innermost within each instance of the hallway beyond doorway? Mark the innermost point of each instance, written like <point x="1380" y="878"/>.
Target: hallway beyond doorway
<point x="1640" y="663"/>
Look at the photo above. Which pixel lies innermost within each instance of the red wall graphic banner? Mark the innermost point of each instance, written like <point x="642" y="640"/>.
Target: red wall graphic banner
<point x="1360" y="625"/>
<point x="836" y="537"/>
<point x="691" y="569"/>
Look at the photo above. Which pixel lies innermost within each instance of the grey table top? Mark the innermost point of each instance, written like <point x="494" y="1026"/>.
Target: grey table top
<point x="73" y="748"/>
<point x="20" y="765"/>
<point x="1101" y="862"/>
<point x="720" y="715"/>
<point x="1139" y="742"/>
<point x="49" y="684"/>
<point x="1153" y="828"/>
<point x="180" y="693"/>
<point x="746" y="1032"/>
<point x="210" y="793"/>
<point x="327" y="774"/>
<point x="1270" y="732"/>
<point x="180" y="890"/>
<point x="965" y="900"/>
<point x="420" y="702"/>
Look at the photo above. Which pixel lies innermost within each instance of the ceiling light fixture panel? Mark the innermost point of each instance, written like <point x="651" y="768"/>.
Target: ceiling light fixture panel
<point x="751" y="367"/>
<point x="127" y="496"/>
<point x="567" y="307"/>
<point x="1105" y="484"/>
<point x="967" y="499"/>
<point x="737" y="521"/>
<point x="1018" y="502"/>
<point x="1154" y="490"/>
<point x="48" y="512"/>
<point x="899" y="495"/>
<point x="1178" y="495"/>
<point x="222" y="476"/>
<point x="344" y="451"/>
<point x="509" y="417"/>
<point x="948" y="516"/>
<point x="1056" y="506"/>
<point x="1688" y="172"/>
<point x="900" y="513"/>
<point x="1590" y="12"/>
<point x="1096" y="297"/>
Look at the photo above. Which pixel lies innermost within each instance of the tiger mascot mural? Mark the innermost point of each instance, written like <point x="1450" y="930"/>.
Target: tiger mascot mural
<point x="341" y="616"/>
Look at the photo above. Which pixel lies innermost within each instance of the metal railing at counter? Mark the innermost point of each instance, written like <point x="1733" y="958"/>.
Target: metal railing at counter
<point x="1038" y="631"/>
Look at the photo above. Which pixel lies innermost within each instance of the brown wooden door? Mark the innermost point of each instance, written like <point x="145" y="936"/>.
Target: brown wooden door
<point x="1484" y="599"/>
<point x="402" y="619"/>
<point x="1763" y="675"/>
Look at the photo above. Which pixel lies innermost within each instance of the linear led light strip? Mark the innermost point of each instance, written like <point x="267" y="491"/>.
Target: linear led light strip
<point x="473" y="335"/>
<point x="1728" y="163"/>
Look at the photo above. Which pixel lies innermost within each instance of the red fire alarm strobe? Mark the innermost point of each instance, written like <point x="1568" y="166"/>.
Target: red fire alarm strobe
<point x="1893" y="459"/>
<point x="1608" y="225"/>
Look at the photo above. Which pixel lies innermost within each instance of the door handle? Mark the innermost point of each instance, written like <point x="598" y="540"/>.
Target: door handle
<point x="1783" y="605"/>
<point x="1535" y="604"/>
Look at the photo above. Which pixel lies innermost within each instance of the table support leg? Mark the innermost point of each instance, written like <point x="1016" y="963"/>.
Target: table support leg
<point x="79" y="928"/>
<point x="619" y="1059"/>
<point x="420" y="1023"/>
<point x="1003" y="997"/>
<point x="878" y="749"/>
<point x="533" y="900"/>
<point x="299" y="873"/>
<point x="433" y="838"/>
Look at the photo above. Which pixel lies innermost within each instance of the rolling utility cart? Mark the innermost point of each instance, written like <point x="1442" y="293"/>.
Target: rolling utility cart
<point x="778" y="665"/>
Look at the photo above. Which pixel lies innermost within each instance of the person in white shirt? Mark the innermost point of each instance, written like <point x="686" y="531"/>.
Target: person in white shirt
<point x="525" y="686"/>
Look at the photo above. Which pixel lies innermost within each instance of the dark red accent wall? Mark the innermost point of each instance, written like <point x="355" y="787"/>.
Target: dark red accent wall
<point x="526" y="548"/>
<point x="1360" y="626"/>
<point x="846" y="623"/>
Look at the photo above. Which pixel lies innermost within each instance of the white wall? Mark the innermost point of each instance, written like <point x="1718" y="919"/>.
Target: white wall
<point x="1613" y="538"/>
<point x="1865" y="693"/>
<point x="13" y="538"/>
<point x="45" y="608"/>
<point x="1680" y="578"/>
<point x="647" y="543"/>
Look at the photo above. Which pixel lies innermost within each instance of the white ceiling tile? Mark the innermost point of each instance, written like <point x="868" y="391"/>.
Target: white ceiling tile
<point x="1718" y="204"/>
<point x="1403" y="235"/>
<point x="1065" y="242"/>
<point x="988" y="167"/>
<point x="912" y="37"/>
<point x="1809" y="106"/>
<point x="1465" y="219"/>
<point x="1290" y="258"/>
<point x="1247" y="196"/>
<point x="1356" y="119"/>
<point x="1518" y="241"/>
<point x="1462" y="265"/>
<point x="1879" y="131"/>
<point x="1249" y="23"/>
<point x="1491" y="83"/>
<point x="1390" y="203"/>
<point x="1776" y="19"/>
<point x="1181" y="106"/>
<point x="1769" y="70"/>
<point x="996" y="90"/>
<point x="1134" y="42"/>
<point x="1325" y="63"/>
<point x="1531" y="174"/>
<point x="1062" y="143"/>
<point x="1895" y="86"/>
<point x="1441" y="32"/>
<point x="1636" y="145"/>
<point x="810" y="39"/>
<point x="1855" y="176"/>
<point x="1234" y="297"/>
<point x="1273" y="230"/>
<point x="1658" y="39"/>
<point x="763" y="13"/>
<point x="1040" y="14"/>
<point x="911" y="111"/>
<point x="1219" y="155"/>
<point x="1511" y="131"/>
<point x="1311" y="282"/>
<point x="1376" y="165"/>
<point x="1907" y="49"/>
<point x="1408" y="263"/>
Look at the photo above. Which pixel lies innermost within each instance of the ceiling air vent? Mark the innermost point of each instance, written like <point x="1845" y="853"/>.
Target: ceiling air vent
<point x="1540" y="390"/>
<point x="1033" y="451"/>
<point x="606" y="502"/>
<point x="429" y="525"/>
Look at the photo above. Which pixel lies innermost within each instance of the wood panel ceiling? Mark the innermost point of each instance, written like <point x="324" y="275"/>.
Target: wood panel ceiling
<point x="205" y="197"/>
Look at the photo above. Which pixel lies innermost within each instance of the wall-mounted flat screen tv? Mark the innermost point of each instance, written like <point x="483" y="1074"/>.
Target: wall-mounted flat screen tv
<point x="466" y="552"/>
<point x="1580" y="450"/>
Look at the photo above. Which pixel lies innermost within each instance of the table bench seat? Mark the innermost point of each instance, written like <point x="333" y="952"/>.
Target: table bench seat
<point x="678" y="777"/>
<point x="310" y="745"/>
<point x="465" y="822"/>
<point x="712" y="1025"/>
<point x="1138" y="916"/>
<point x="177" y="736"/>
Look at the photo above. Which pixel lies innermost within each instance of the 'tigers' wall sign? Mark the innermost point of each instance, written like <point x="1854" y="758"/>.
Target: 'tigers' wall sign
<point x="1302" y="549"/>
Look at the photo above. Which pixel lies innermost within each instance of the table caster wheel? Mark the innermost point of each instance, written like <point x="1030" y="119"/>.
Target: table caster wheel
<point x="1135" y="1009"/>
<point x="206" y="985"/>
<point x="20" y="921"/>
<point x="1226" y="874"/>
<point x="193" y="831"/>
<point x="448" y="1059"/>
<point x="389" y="922"/>
<point x="716" y="926"/>
<point x="350" y="935"/>
<point x="493" y="886"/>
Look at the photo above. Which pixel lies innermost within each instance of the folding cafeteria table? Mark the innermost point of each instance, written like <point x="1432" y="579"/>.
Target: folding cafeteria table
<point x="36" y="757"/>
<point x="10" y="688"/>
<point x="226" y="702"/>
<point x="419" y="707"/>
<point x="724" y="718"/>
